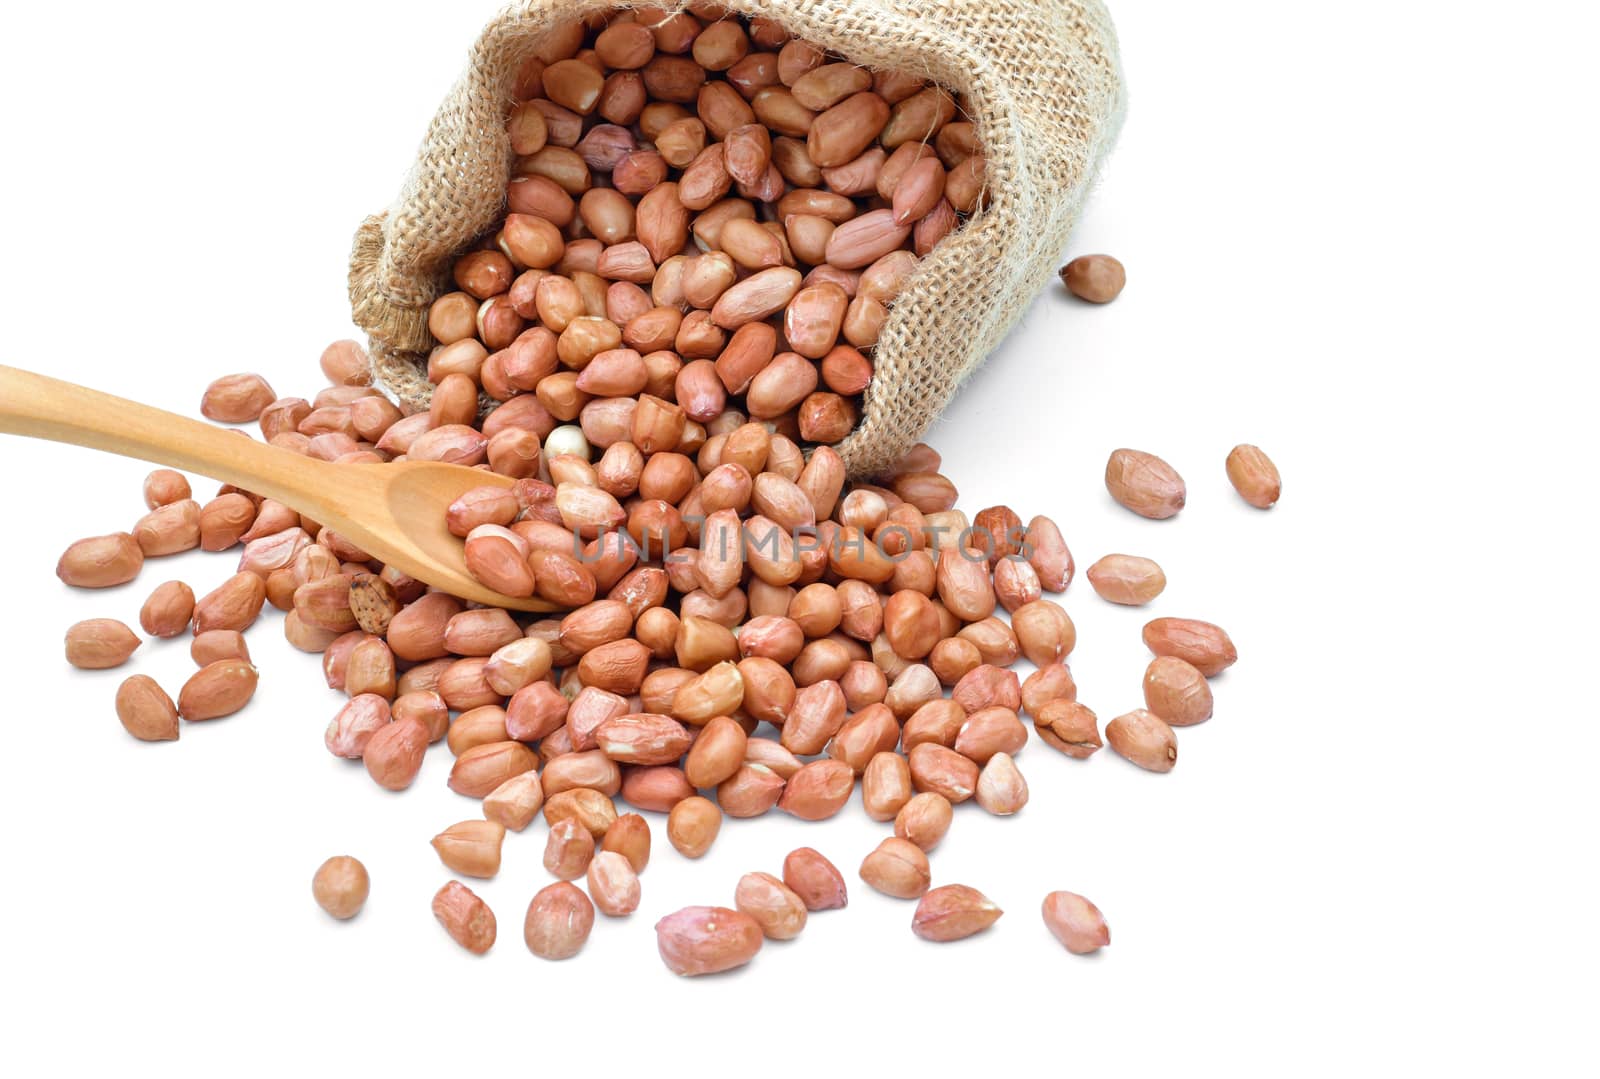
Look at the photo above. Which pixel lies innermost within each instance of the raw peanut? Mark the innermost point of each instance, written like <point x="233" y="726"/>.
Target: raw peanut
<point x="1145" y="739"/>
<point x="924" y="820"/>
<point x="943" y="771"/>
<point x="467" y="918"/>
<point x="995" y="641"/>
<point x="773" y="905"/>
<point x="886" y="785"/>
<point x="568" y="849"/>
<point x="717" y="692"/>
<point x="1075" y="922"/>
<point x="643" y="738"/>
<point x="613" y="884"/>
<point x="752" y="790"/>
<point x="1202" y="645"/>
<point x="918" y="192"/>
<point x="629" y="836"/>
<point x="146" y="711"/>
<point x="965" y="585"/>
<point x="813" y="878"/>
<point x="236" y="399"/>
<point x="818" y="790"/>
<point x="481" y="769"/>
<point x="224" y="520"/>
<point x="558" y="921"/>
<point x="1254" y="476"/>
<point x="812" y="319"/>
<point x="863" y="683"/>
<point x="756" y="297"/>
<point x="340" y="886"/>
<point x="897" y="868"/>
<point x="987" y="686"/>
<point x="1016" y="583"/>
<point x="844" y="130"/>
<point x="164" y="487"/>
<point x="717" y="753"/>
<point x="169" y="529"/>
<point x="863" y="240"/>
<point x="352" y="728"/>
<point x="477" y="727"/>
<point x="393" y="754"/>
<point x="417" y="632"/>
<point x="952" y="912"/>
<point x="815" y="717"/>
<point x="325" y="603"/>
<point x="692" y="826"/>
<point x="232" y="605"/>
<point x="964" y="186"/>
<point x="1047" y="553"/>
<point x="912" y="688"/>
<point x="514" y="803"/>
<point x="1068" y="726"/>
<point x="101" y="562"/>
<point x="1096" y="278"/>
<point x="988" y="732"/>
<point x="98" y="644"/>
<point x="370" y="669"/>
<point x="1126" y="579"/>
<point x="214" y="644"/>
<point x="1145" y="484"/>
<point x="938" y="721"/>
<point x="825" y="86"/>
<point x="425" y="706"/>
<point x="373" y="602"/>
<point x="919" y="116"/>
<point x="586" y="768"/>
<point x="1001" y="788"/>
<point x="471" y="847"/>
<point x="707" y="940"/>
<point x="953" y="658"/>
<point x="595" y="811"/>
<point x="1044" y="632"/>
<point x="617" y="667"/>
<point x="219" y="689"/>
<point x="863" y="736"/>
<point x="1177" y="692"/>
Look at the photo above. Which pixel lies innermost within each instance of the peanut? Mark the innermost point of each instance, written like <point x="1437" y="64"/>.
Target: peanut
<point x="340" y="886"/>
<point x="1254" y="476"/>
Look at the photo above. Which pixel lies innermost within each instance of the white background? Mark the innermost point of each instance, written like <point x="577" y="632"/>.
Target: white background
<point x="1360" y="235"/>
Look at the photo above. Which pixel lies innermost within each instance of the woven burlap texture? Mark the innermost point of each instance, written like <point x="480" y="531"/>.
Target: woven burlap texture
<point x="1040" y="80"/>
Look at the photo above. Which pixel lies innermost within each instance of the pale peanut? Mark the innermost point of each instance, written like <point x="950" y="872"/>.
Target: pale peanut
<point x="707" y="940"/>
<point x="953" y="912"/>
<point x="774" y="906"/>
<point x="340" y="886"/>
<point x="898" y="868"/>
<point x="100" y="643"/>
<point x="1126" y="579"/>
<point x="1254" y="476"/>
<point x="1177" y="692"/>
<point x="558" y="922"/>
<point x="471" y="847"/>
<point x="1145" y="484"/>
<point x="467" y="918"/>
<point x="146" y="711"/>
<point x="1204" y="646"/>
<point x="1075" y="922"/>
<point x="1145" y="739"/>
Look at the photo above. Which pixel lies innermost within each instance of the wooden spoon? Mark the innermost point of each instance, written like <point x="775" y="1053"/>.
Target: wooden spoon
<point x="394" y="512"/>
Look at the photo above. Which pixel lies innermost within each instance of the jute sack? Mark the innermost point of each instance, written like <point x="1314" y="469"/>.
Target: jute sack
<point x="1040" y="80"/>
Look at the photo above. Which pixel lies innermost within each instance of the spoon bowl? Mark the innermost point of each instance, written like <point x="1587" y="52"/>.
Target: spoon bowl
<point x="395" y="512"/>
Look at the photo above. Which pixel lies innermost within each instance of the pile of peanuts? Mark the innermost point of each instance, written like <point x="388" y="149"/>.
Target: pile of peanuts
<point x="675" y="175"/>
<point x="653" y="355"/>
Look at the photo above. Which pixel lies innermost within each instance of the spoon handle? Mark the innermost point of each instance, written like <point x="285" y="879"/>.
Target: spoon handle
<point x="42" y="407"/>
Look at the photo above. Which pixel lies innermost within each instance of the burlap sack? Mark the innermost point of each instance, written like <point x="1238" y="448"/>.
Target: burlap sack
<point x="1039" y="78"/>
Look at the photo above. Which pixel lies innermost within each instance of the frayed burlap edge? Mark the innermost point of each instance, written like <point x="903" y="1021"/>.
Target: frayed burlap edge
<point x="1040" y="80"/>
